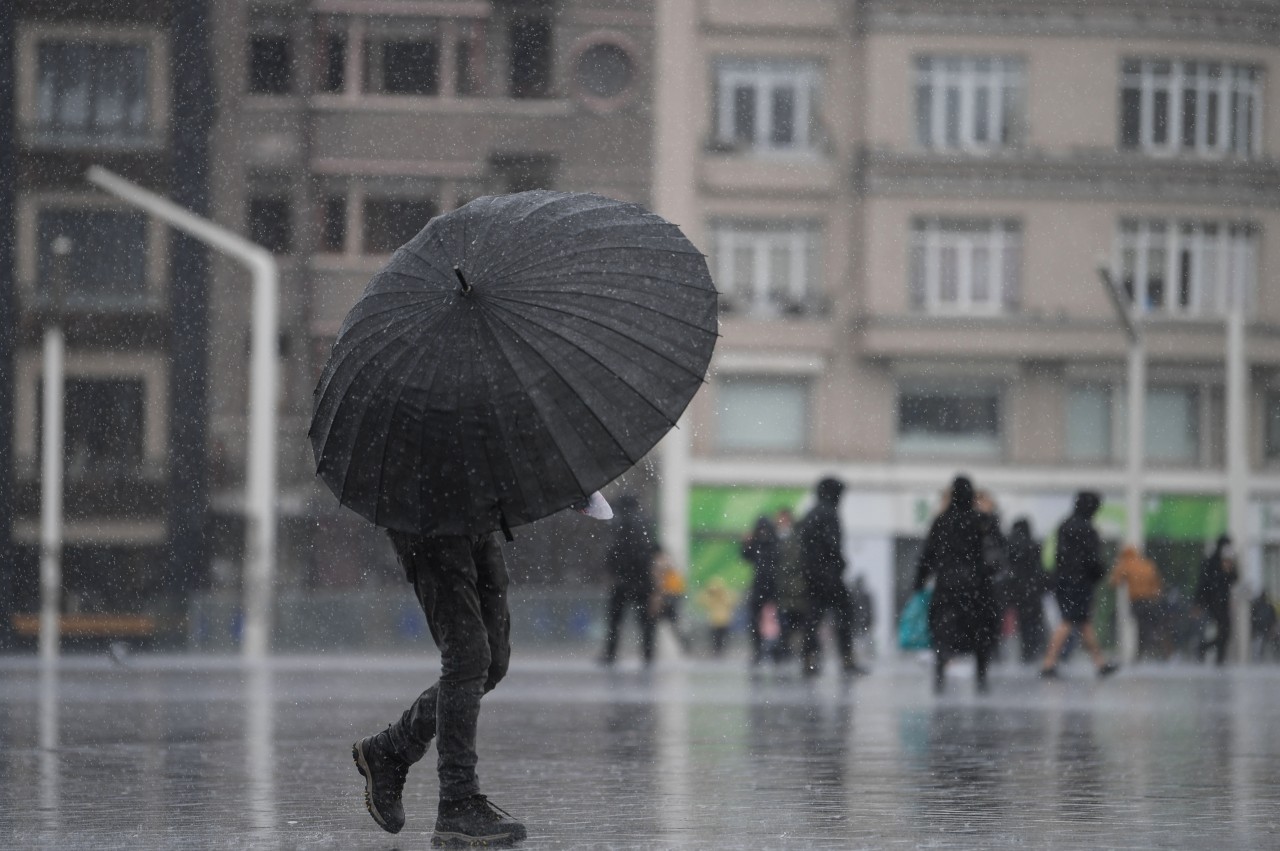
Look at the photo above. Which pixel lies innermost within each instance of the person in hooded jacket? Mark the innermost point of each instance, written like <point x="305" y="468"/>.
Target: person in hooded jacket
<point x="1078" y="568"/>
<point x="963" y="614"/>
<point x="1028" y="584"/>
<point x="1213" y="596"/>
<point x="629" y="561"/>
<point x="760" y="550"/>
<point x="823" y="564"/>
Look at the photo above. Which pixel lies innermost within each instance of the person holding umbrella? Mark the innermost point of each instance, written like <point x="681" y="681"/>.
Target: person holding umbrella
<point x="514" y="357"/>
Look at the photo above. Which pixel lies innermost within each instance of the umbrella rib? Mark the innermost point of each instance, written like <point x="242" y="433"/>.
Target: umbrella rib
<point x="603" y="297"/>
<point x="559" y="374"/>
<point x="531" y="237"/>
<point x="564" y="312"/>
<point x="350" y="345"/>
<point x="602" y="364"/>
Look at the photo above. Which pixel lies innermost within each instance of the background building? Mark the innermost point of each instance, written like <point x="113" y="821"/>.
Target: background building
<point x="905" y="204"/>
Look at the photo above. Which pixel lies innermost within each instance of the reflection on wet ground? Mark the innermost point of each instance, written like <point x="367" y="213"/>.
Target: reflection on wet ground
<point x="196" y="753"/>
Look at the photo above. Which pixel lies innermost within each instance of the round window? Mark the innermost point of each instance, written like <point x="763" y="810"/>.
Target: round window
<point x="604" y="70"/>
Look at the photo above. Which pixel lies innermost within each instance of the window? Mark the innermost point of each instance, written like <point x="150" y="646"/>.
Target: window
<point x="948" y="419"/>
<point x="766" y="268"/>
<point x="333" y="227"/>
<point x="1207" y="108"/>
<point x="1272" y="426"/>
<point x="270" y="65"/>
<point x="270" y="223"/>
<point x="766" y="107"/>
<point x="1186" y="267"/>
<point x="964" y="266"/>
<point x="969" y="103"/>
<point x="91" y="92"/>
<point x="106" y="266"/>
<point x="391" y="222"/>
<point x="522" y="172"/>
<point x="1089" y="427"/>
<point x="333" y="62"/>
<point x="530" y="56"/>
<point x="103" y="423"/>
<point x="604" y="71"/>
<point x="1097" y="423"/>
<point x="762" y="414"/>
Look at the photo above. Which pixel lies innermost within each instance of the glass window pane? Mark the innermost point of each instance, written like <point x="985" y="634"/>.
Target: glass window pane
<point x="107" y="261"/>
<point x="1130" y="117"/>
<point x="924" y="115"/>
<point x="784" y="116"/>
<point x="949" y="275"/>
<point x="1172" y="425"/>
<point x="1088" y="423"/>
<point x="744" y="114"/>
<point x="762" y="414"/>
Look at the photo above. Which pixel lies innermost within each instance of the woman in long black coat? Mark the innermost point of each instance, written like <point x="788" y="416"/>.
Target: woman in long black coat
<point x="1029" y="584"/>
<point x="963" y="615"/>
<point x="760" y="550"/>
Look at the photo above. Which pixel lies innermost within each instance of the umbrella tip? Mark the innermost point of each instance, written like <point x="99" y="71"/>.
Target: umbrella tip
<point x="466" y="287"/>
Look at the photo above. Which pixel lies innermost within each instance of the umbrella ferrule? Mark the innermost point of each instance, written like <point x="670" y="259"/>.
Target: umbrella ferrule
<point x="466" y="287"/>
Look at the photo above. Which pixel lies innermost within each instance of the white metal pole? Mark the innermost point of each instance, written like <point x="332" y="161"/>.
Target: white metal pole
<point x="260" y="465"/>
<point x="51" y="496"/>
<point x="1238" y="465"/>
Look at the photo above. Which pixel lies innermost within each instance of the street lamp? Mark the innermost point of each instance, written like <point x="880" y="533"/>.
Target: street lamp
<point x="1137" y="385"/>
<point x="51" y="457"/>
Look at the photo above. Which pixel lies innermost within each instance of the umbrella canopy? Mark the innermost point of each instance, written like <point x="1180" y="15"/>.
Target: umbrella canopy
<point x="516" y="355"/>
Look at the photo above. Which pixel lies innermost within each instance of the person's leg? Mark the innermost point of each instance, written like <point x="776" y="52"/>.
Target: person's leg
<point x="939" y="671"/>
<point x="613" y="621"/>
<point x="755" y="603"/>
<point x="982" y="658"/>
<point x="1056" y="642"/>
<point x="809" y="646"/>
<point x="1223" y="639"/>
<point x="842" y="622"/>
<point x="646" y="624"/>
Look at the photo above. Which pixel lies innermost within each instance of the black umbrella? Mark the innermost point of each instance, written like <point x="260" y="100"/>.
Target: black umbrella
<point x="516" y="355"/>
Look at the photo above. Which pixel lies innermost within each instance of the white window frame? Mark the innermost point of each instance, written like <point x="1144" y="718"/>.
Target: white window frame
<point x="931" y="236"/>
<point x="765" y="77"/>
<point x="800" y="238"/>
<point x="1239" y="79"/>
<point x="156" y="44"/>
<point x="950" y="447"/>
<point x="1223" y="263"/>
<point x="1003" y="77"/>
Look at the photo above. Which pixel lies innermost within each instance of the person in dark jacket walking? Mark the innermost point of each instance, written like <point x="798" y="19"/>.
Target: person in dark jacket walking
<point x="963" y="617"/>
<point x="461" y="583"/>
<point x="1028" y="584"/>
<point x="1213" y="596"/>
<point x="1078" y="568"/>
<point x="629" y="561"/>
<point x="760" y="550"/>
<point x="822" y="563"/>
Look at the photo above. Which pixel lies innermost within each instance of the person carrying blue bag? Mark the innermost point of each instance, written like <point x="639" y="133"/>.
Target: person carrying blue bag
<point x="913" y="626"/>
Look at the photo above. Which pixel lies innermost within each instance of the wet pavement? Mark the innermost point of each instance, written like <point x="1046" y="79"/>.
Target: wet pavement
<point x="200" y="753"/>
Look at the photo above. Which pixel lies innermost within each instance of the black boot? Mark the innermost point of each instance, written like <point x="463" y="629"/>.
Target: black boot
<point x="384" y="774"/>
<point x="475" y="822"/>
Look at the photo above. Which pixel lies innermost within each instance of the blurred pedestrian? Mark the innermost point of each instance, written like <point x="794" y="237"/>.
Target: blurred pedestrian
<point x="963" y="614"/>
<point x="719" y="602"/>
<point x="1139" y="575"/>
<point x="669" y="588"/>
<point x="1078" y="569"/>
<point x="793" y="593"/>
<point x="1027" y="586"/>
<point x="629" y="560"/>
<point x="1262" y="622"/>
<point x="760" y="550"/>
<point x="864" y="611"/>
<point x="823" y="564"/>
<point x="1213" y="597"/>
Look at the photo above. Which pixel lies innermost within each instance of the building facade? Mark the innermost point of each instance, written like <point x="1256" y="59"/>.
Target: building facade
<point x="905" y="205"/>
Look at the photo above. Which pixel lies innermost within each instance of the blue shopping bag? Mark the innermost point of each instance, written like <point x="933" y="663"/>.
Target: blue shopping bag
<point x="913" y="626"/>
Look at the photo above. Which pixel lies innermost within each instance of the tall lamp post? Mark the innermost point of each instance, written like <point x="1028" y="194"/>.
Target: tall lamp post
<point x="260" y="457"/>
<point x="1237" y="450"/>
<point x="1133" y="491"/>
<point x="51" y="437"/>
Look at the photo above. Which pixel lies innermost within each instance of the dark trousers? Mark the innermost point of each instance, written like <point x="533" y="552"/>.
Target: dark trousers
<point x="755" y="607"/>
<point x="838" y="602"/>
<point x="1221" y="618"/>
<point x="461" y="582"/>
<point x="622" y="597"/>
<point x="1031" y="632"/>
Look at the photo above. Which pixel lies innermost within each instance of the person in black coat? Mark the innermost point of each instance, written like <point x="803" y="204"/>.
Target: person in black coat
<point x="1213" y="596"/>
<point x="1027" y="587"/>
<point x="629" y="561"/>
<point x="963" y="615"/>
<point x="760" y="550"/>
<point x="1078" y="569"/>
<point x="822" y="563"/>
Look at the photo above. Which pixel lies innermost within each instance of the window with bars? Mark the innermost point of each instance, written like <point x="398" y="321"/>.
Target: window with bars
<point x="1206" y="108"/>
<point x="1176" y="267"/>
<point x="766" y="106"/>
<point x="766" y="268"/>
<point x="969" y="103"/>
<point x="965" y="266"/>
